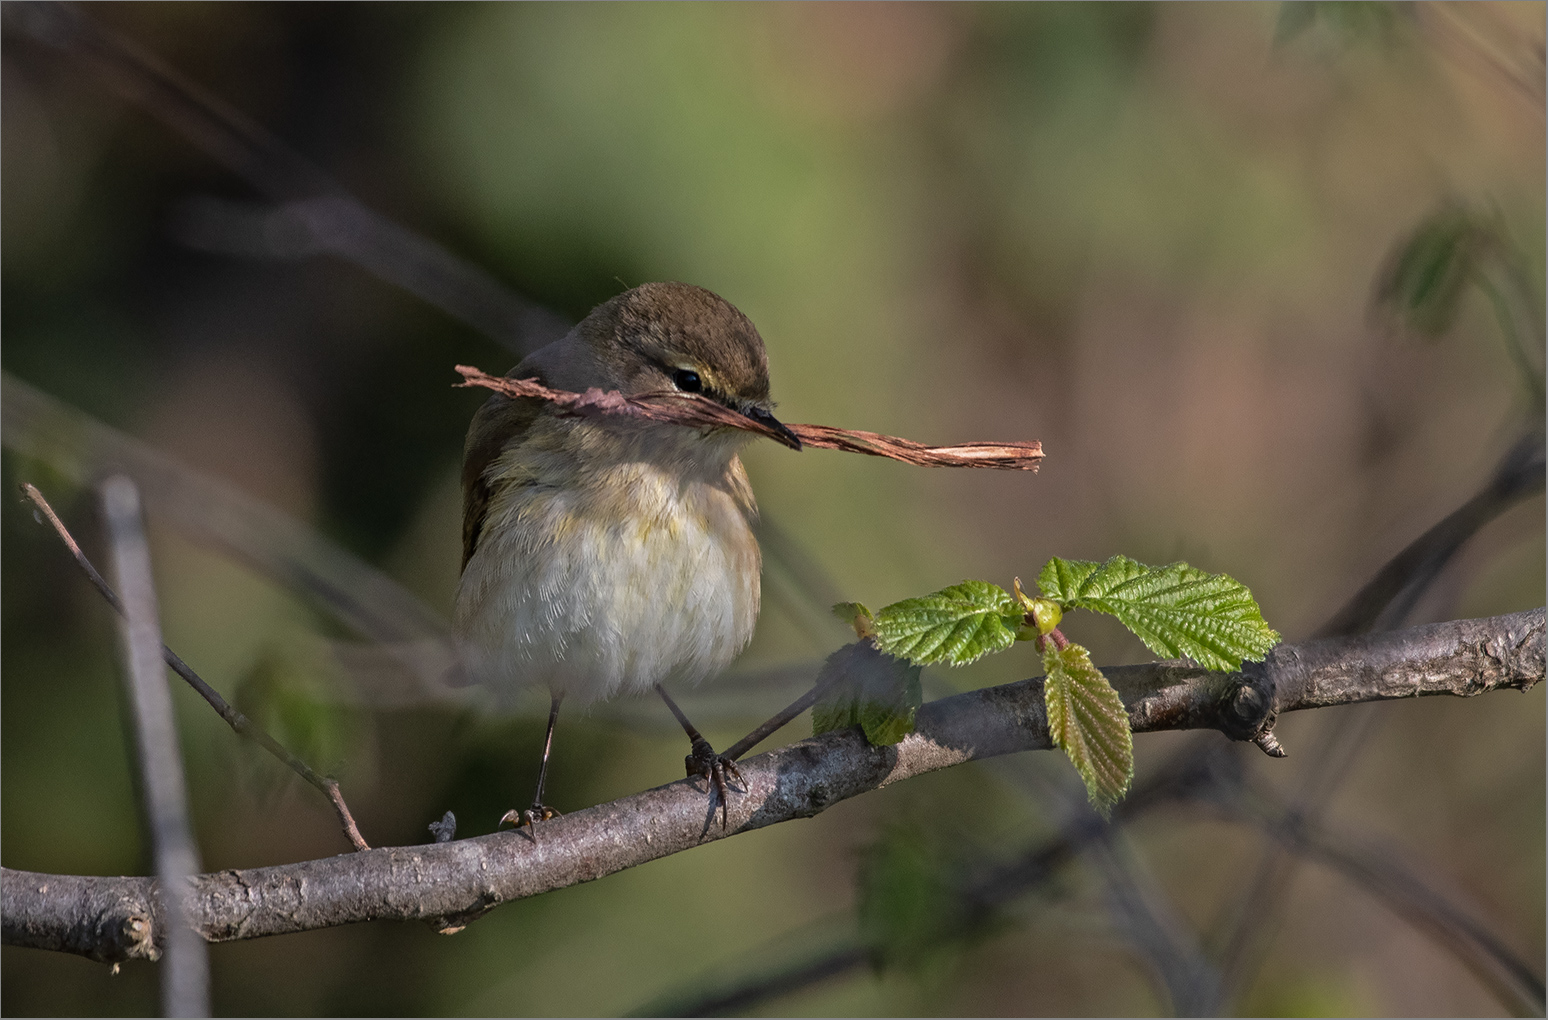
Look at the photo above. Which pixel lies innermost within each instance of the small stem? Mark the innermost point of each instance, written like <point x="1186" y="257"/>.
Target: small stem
<point x="1515" y="343"/>
<point x="243" y="726"/>
<point x="781" y="718"/>
<point x="1057" y="637"/>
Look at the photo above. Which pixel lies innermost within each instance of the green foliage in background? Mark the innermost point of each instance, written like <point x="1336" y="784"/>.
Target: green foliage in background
<point x="1430" y="271"/>
<point x="1348" y="21"/>
<point x="1177" y="610"/>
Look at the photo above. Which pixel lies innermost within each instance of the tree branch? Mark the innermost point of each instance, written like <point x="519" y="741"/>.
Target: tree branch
<point x="452" y="884"/>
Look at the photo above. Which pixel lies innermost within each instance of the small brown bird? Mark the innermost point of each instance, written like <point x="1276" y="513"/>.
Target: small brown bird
<point x="607" y="555"/>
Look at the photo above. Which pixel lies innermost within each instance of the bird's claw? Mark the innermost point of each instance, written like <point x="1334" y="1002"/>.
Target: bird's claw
<point x="705" y="762"/>
<point x="529" y="817"/>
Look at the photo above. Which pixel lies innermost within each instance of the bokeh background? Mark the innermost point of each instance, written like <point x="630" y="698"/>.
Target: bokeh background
<point x="1147" y="235"/>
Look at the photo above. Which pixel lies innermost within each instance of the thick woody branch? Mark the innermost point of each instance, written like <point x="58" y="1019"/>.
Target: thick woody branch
<point x="450" y="884"/>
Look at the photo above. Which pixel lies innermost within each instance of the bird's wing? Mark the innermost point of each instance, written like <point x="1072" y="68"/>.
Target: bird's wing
<point x="499" y="423"/>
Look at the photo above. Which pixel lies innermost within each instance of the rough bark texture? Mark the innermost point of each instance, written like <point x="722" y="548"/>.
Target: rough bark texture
<point x="450" y="884"/>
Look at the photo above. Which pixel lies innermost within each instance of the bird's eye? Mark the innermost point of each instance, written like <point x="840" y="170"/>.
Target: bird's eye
<point x="687" y="380"/>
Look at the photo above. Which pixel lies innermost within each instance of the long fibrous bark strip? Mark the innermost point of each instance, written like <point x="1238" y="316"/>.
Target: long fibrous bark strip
<point x="695" y="411"/>
<point x="451" y="884"/>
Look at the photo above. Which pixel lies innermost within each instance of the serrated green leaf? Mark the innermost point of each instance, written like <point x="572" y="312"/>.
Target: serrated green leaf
<point x="1177" y="610"/>
<point x="1087" y="718"/>
<point x="955" y="625"/>
<point x="1059" y="579"/>
<point x="878" y="693"/>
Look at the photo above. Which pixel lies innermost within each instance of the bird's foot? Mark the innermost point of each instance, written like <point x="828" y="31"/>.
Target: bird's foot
<point x="529" y="817"/>
<point x="706" y="763"/>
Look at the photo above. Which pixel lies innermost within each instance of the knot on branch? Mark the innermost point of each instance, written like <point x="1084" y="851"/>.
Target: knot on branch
<point x="1249" y="713"/>
<point x="129" y="938"/>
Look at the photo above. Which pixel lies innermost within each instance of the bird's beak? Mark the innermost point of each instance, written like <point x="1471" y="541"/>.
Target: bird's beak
<point x="768" y="421"/>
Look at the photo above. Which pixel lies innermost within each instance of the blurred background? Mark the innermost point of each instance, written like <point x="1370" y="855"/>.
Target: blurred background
<point x="1153" y="237"/>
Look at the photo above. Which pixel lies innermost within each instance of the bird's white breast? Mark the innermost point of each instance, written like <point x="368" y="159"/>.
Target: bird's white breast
<point x="625" y="575"/>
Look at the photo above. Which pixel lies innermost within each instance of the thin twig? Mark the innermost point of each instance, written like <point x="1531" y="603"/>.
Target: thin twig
<point x="696" y="411"/>
<point x="1397" y="586"/>
<point x="185" y="987"/>
<point x="831" y="675"/>
<point x="214" y="513"/>
<point x="1385" y="601"/>
<point x="236" y="720"/>
<point x="1381" y="872"/>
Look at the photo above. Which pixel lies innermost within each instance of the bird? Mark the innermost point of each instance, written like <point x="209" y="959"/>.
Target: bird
<point x="609" y="555"/>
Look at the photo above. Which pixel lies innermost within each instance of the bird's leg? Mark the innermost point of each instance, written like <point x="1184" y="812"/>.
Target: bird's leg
<point x="703" y="761"/>
<point x="539" y="812"/>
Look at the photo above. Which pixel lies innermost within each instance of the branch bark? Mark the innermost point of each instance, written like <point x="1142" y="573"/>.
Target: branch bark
<point x="451" y="884"/>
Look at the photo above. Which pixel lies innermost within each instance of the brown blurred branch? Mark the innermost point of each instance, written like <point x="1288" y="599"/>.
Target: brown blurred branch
<point x="216" y="514"/>
<point x="316" y="214"/>
<point x="695" y="411"/>
<point x="452" y="884"/>
<point x="243" y="726"/>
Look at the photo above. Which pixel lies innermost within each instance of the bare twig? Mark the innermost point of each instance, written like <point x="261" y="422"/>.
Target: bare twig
<point x="695" y="411"/>
<point x="1383" y="602"/>
<point x="454" y="883"/>
<point x="340" y="225"/>
<point x="185" y="987"/>
<point x="219" y="515"/>
<point x="235" y="719"/>
<point x="1380" y="871"/>
<point x="315" y="205"/>
<point x="1388" y="597"/>
<point x="1474" y="34"/>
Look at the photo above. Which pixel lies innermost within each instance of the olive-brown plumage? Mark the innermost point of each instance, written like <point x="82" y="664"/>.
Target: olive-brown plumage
<point x="604" y="555"/>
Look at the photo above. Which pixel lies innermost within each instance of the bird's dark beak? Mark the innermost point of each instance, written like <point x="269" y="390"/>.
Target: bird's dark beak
<point x="781" y="433"/>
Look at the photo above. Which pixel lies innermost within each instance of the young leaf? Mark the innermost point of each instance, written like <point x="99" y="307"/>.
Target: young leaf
<point x="1087" y="718"/>
<point x="880" y="694"/>
<point x="1176" y="610"/>
<point x="857" y="616"/>
<point x="954" y="625"/>
<point x="1421" y="286"/>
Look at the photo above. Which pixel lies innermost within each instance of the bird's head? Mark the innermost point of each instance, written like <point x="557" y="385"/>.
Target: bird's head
<point x="672" y="336"/>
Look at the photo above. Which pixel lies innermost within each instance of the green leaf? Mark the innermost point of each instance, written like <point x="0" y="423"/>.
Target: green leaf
<point x="1087" y="718"/>
<point x="1177" y="610"/>
<point x="857" y="616"/>
<point x="954" y="625"/>
<point x="1349" y="22"/>
<point x="1421" y="286"/>
<point x="878" y="693"/>
<point x="1061" y="579"/>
